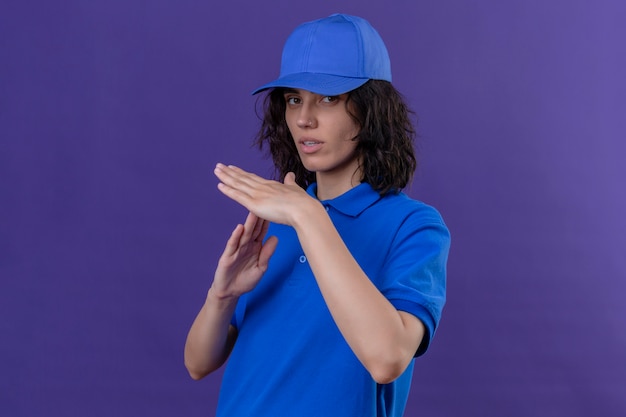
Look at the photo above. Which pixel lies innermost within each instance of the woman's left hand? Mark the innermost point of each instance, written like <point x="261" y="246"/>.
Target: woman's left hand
<point x="269" y="200"/>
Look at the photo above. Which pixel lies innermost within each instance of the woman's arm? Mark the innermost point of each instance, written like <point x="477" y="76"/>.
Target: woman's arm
<point x="383" y="338"/>
<point x="241" y="266"/>
<point x="211" y="337"/>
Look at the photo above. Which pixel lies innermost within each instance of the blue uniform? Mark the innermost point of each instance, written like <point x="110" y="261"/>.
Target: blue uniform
<point x="290" y="358"/>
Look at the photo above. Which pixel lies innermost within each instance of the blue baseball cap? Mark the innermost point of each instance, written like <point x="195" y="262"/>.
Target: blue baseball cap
<point x="332" y="56"/>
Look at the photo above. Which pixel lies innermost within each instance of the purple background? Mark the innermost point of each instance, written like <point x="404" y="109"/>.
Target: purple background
<point x="113" y="114"/>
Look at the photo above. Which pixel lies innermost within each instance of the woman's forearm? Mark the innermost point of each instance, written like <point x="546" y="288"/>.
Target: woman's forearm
<point x="384" y="339"/>
<point x="211" y="336"/>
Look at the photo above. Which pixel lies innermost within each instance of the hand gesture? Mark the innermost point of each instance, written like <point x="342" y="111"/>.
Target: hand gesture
<point x="245" y="258"/>
<point x="269" y="200"/>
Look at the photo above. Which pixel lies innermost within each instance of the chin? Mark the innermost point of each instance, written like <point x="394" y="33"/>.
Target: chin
<point x="311" y="167"/>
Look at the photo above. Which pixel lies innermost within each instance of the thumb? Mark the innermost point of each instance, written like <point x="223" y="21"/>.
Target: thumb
<point x="290" y="179"/>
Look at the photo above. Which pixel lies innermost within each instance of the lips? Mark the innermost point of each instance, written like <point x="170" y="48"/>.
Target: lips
<point x="309" y="145"/>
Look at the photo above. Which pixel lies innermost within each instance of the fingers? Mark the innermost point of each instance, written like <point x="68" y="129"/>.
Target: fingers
<point x="233" y="241"/>
<point x="266" y="252"/>
<point x="236" y="177"/>
<point x="269" y="200"/>
<point x="264" y="226"/>
<point x="253" y="228"/>
<point x="290" y="179"/>
<point x="236" y="170"/>
<point x="238" y="184"/>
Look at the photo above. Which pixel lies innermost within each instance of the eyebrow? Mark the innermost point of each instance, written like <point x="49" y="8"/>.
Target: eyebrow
<point x="288" y="90"/>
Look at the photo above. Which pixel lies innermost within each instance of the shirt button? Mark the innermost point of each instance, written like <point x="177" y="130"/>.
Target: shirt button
<point x="302" y="259"/>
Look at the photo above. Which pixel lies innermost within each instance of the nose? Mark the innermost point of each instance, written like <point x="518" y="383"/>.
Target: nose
<point x="306" y="117"/>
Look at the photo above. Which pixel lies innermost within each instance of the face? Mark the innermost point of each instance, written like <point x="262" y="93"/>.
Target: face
<point x="324" y="134"/>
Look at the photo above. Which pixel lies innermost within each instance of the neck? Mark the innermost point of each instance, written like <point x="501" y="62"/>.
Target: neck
<point x="329" y="186"/>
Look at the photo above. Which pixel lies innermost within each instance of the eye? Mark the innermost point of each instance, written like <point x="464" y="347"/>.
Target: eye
<point x="330" y="99"/>
<point x="292" y="100"/>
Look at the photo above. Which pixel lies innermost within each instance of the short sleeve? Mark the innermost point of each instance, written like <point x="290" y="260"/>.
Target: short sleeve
<point x="415" y="273"/>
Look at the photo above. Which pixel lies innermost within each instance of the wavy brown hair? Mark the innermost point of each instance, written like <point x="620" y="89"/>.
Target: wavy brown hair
<point x="385" y="139"/>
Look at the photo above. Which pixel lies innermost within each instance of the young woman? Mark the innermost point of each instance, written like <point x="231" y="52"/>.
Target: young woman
<point x="322" y="299"/>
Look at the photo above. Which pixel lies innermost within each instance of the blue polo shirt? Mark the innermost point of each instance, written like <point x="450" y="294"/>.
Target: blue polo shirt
<point x="290" y="358"/>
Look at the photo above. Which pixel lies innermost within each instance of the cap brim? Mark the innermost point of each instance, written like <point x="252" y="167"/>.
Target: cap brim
<point x="324" y="84"/>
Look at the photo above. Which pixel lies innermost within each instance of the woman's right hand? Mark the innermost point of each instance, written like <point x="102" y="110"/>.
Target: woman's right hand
<point x="241" y="266"/>
<point x="244" y="260"/>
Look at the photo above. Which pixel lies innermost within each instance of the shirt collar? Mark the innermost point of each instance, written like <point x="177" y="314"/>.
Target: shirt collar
<point x="351" y="203"/>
